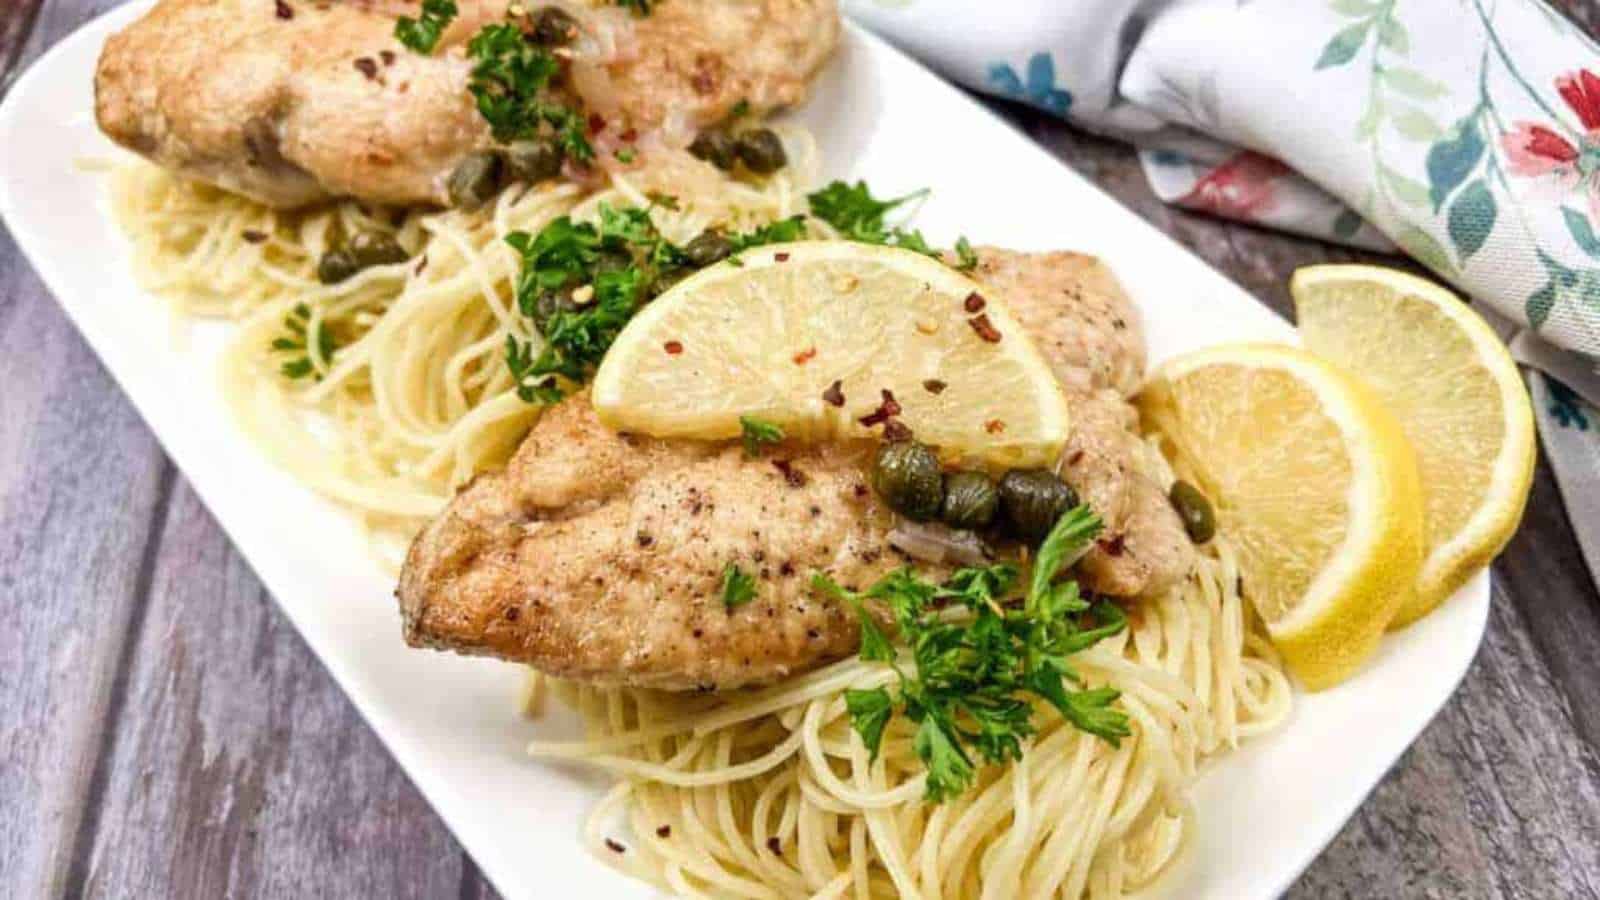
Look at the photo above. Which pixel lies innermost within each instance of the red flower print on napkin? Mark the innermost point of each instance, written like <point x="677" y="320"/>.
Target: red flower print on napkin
<point x="1241" y="188"/>
<point x="1534" y="150"/>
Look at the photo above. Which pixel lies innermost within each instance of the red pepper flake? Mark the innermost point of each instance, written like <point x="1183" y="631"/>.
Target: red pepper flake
<point x="781" y="257"/>
<point x="597" y="123"/>
<point x="387" y="56"/>
<point x="974" y="302"/>
<point x="791" y="474"/>
<point x="367" y="67"/>
<point x="886" y="410"/>
<point x="985" y="329"/>
<point x="1075" y="458"/>
<point x="896" y="430"/>
<point x="673" y="348"/>
<point x="994" y="426"/>
<point x="664" y="831"/>
<point x="934" y="386"/>
<point x="615" y="847"/>
<point x="631" y="135"/>
<point x="1113" y="547"/>
<point x="251" y="236"/>
<point x="834" y="396"/>
<point x="775" y="845"/>
<point x="284" y="10"/>
<point x="805" y="356"/>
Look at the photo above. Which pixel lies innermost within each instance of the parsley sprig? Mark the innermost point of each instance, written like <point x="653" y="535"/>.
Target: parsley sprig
<point x="858" y="216"/>
<point x="738" y="587"/>
<point x="623" y="260"/>
<point x="510" y="78"/>
<point x="297" y="341"/>
<point x="756" y="432"/>
<point x="970" y="685"/>
<point x="422" y="34"/>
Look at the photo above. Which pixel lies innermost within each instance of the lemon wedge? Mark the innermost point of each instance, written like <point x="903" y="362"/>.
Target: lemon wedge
<point x="1449" y="380"/>
<point x="1315" y="484"/>
<point x="816" y="336"/>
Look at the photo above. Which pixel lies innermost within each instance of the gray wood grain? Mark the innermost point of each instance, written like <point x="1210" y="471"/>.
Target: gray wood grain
<point x="237" y="763"/>
<point x="163" y="732"/>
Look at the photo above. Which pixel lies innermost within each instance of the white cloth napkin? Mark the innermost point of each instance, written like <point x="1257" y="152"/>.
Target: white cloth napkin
<point x="1467" y="132"/>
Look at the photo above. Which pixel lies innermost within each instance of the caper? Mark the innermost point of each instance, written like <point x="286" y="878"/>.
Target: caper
<point x="906" y="475"/>
<point x="534" y="161"/>
<point x="665" y="279"/>
<point x="1032" y="500"/>
<point x="1195" y="511"/>
<point x="553" y="27"/>
<point x="476" y="179"/>
<point x="761" y="151"/>
<point x="336" y="265"/>
<point x="376" y="248"/>
<point x="715" y="146"/>
<point x="708" y="247"/>
<point x="549" y="304"/>
<point x="970" y="500"/>
<point x="612" y="260"/>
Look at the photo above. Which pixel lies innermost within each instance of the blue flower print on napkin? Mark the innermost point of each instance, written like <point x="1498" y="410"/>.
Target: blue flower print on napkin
<point x="1040" y="89"/>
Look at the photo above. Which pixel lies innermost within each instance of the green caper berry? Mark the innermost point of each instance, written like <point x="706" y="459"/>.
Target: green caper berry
<point x="906" y="475"/>
<point x="761" y="151"/>
<point x="535" y="161"/>
<point x="970" y="500"/>
<point x="476" y="179"/>
<point x="553" y="27"/>
<point x="665" y="280"/>
<point x="1195" y="511"/>
<point x="376" y="248"/>
<point x="708" y="248"/>
<point x="1032" y="500"/>
<point x="336" y="265"/>
<point x="715" y="146"/>
<point x="612" y="260"/>
<point x="550" y="304"/>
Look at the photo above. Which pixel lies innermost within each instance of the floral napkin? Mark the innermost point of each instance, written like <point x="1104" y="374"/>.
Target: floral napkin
<point x="1465" y="132"/>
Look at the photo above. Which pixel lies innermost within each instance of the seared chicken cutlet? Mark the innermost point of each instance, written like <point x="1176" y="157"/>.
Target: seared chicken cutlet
<point x="292" y="102"/>
<point x="601" y="556"/>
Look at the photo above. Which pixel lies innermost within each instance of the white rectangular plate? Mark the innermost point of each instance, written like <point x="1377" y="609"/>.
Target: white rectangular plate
<point x="1264" y="812"/>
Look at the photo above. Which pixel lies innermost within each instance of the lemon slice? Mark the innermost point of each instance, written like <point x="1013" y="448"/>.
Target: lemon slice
<point x="1313" y="481"/>
<point x="1449" y="380"/>
<point x="809" y="336"/>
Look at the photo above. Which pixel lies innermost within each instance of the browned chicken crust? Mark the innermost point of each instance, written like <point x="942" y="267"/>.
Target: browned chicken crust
<point x="600" y="556"/>
<point x="292" y="102"/>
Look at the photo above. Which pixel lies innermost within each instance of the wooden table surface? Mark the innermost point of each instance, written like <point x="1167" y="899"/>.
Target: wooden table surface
<point x="164" y="732"/>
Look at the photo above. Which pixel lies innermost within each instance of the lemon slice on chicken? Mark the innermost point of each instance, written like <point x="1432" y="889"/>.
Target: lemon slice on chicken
<point x="1314" y="483"/>
<point x="816" y="337"/>
<point x="1440" y="369"/>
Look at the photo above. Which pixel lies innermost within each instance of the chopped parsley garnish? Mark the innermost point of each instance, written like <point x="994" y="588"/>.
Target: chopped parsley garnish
<point x="858" y="216"/>
<point x="971" y="681"/>
<point x="622" y="261"/>
<point x="422" y="34"/>
<point x="738" y="588"/>
<point x="625" y="155"/>
<point x="967" y="258"/>
<point x="508" y="81"/>
<point x="780" y="232"/>
<point x="296" y="323"/>
<point x="757" y="432"/>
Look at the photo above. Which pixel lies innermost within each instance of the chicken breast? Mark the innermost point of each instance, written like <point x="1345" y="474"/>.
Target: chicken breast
<point x="1085" y="325"/>
<point x="601" y="556"/>
<point x="293" y="102"/>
